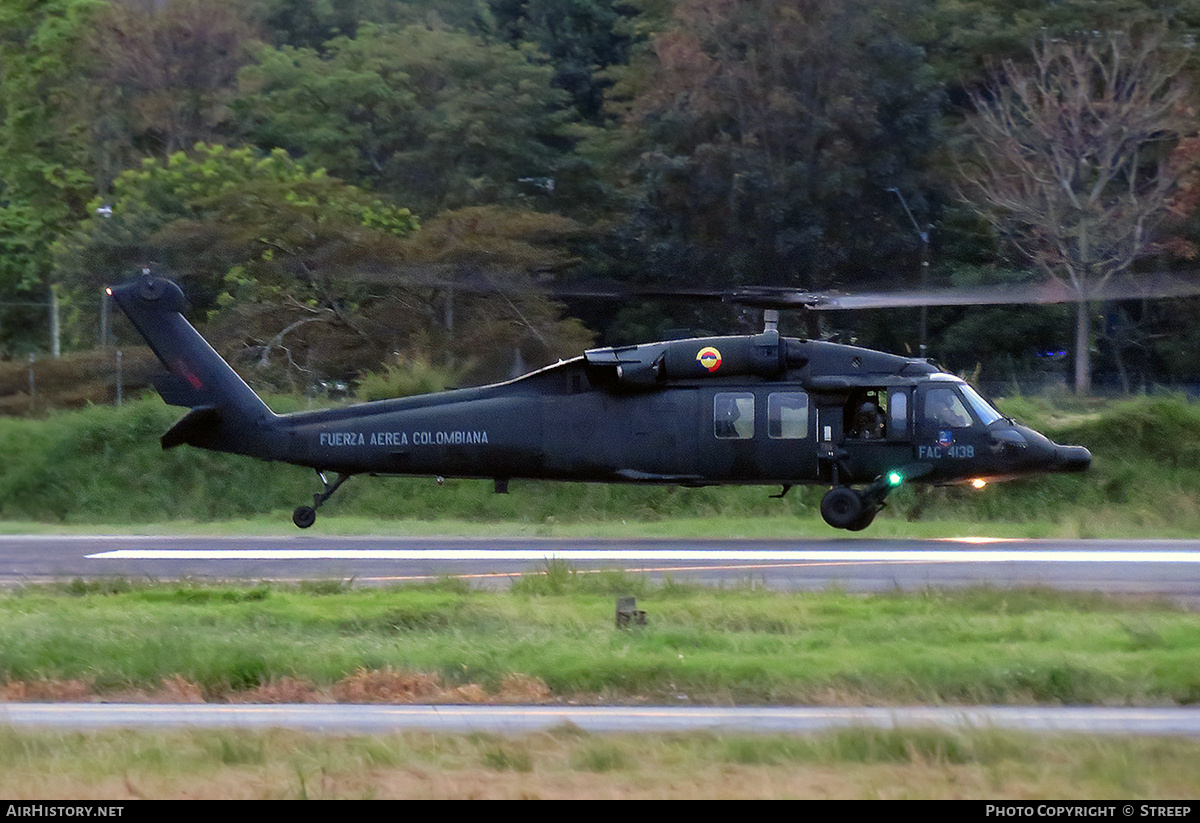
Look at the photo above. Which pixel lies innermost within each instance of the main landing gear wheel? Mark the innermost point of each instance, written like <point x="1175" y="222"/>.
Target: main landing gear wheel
<point x="864" y="519"/>
<point x="305" y="516"/>
<point x="851" y="509"/>
<point x="843" y="507"/>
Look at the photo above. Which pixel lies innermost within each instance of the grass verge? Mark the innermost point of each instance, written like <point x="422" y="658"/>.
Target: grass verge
<point x="551" y="637"/>
<point x="569" y="764"/>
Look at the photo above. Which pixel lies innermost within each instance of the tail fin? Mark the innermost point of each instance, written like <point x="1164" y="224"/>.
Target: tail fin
<point x="225" y="411"/>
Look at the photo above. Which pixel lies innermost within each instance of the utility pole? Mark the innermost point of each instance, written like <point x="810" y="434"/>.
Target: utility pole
<point x="105" y="317"/>
<point x="924" y="280"/>
<point x="55" y="323"/>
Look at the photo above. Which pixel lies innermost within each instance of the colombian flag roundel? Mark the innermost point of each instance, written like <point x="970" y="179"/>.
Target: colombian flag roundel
<point x="709" y="358"/>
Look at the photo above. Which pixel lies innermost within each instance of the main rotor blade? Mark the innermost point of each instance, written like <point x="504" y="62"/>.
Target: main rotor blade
<point x="1143" y="287"/>
<point x="1030" y="294"/>
<point x="1150" y="286"/>
<point x="766" y="297"/>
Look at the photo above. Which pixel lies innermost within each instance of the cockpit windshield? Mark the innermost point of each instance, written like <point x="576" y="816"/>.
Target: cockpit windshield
<point x="982" y="408"/>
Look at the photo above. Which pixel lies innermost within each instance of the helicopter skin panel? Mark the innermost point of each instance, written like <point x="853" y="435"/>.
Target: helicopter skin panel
<point x="477" y="437"/>
<point x="601" y="435"/>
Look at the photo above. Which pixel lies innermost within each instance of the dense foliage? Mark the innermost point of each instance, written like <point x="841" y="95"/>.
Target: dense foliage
<point x="326" y="176"/>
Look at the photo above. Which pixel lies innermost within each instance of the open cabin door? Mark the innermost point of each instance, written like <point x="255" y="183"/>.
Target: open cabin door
<point x="877" y="432"/>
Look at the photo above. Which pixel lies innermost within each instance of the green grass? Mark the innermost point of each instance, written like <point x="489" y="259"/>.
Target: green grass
<point x="569" y="764"/>
<point x="743" y="645"/>
<point x="447" y="642"/>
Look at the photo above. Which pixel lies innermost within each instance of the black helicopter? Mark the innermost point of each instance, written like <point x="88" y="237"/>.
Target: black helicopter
<point x="743" y="410"/>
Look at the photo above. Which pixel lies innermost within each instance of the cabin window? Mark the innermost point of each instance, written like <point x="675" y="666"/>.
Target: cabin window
<point x="897" y="412"/>
<point x="733" y="415"/>
<point x="943" y="407"/>
<point x="787" y="415"/>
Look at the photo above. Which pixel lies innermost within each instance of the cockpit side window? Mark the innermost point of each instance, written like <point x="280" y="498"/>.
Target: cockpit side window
<point x="944" y="407"/>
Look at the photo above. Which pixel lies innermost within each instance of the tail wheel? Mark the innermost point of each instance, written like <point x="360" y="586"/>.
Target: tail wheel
<point x="304" y="516"/>
<point x="843" y="508"/>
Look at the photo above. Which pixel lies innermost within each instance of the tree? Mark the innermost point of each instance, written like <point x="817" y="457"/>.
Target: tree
<point x="303" y="277"/>
<point x="45" y="181"/>
<point x="964" y="37"/>
<point x="485" y="268"/>
<point x="267" y="249"/>
<point x="436" y="117"/>
<point x="580" y="38"/>
<point x="1071" y="160"/>
<point x="161" y="75"/>
<point x="768" y="133"/>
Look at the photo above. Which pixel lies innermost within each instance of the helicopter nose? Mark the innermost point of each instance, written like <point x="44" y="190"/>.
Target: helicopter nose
<point x="1072" y="459"/>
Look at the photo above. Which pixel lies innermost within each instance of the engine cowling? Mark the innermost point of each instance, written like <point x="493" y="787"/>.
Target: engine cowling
<point x="649" y="364"/>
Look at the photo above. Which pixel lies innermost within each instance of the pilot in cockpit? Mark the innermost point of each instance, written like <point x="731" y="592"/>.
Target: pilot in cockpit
<point x="944" y="408"/>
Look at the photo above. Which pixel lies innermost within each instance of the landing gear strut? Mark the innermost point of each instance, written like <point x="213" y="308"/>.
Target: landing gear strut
<point x="305" y="516"/>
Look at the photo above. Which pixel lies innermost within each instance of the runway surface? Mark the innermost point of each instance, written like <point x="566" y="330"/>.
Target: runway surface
<point x="1170" y="568"/>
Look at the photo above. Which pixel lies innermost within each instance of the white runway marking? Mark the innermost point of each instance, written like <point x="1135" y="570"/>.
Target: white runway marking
<point x="659" y="555"/>
<point x="343" y="718"/>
